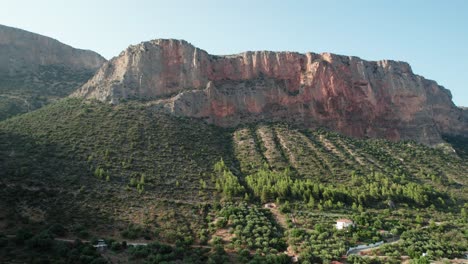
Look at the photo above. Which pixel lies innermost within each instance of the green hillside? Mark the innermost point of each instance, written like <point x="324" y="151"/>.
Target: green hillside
<point x="128" y="172"/>
<point x="34" y="89"/>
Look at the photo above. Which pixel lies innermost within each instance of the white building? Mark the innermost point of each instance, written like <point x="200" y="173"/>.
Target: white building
<point x="101" y="245"/>
<point x="343" y="223"/>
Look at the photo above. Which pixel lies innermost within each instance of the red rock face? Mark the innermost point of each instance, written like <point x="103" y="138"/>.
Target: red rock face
<point x="356" y="97"/>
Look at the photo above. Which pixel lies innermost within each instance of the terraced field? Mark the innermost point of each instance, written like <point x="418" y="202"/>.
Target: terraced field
<point x="329" y="157"/>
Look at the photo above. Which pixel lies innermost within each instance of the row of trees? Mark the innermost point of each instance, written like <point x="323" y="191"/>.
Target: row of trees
<point x="253" y="228"/>
<point x="226" y="182"/>
<point x="435" y="241"/>
<point x="369" y="190"/>
<point x="42" y="247"/>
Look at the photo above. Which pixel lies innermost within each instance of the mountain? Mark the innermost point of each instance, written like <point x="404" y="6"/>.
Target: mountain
<point x="36" y="70"/>
<point x="359" y="98"/>
<point x="192" y="158"/>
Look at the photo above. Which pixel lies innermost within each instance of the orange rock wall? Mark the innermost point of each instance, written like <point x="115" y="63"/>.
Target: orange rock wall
<point x="356" y="97"/>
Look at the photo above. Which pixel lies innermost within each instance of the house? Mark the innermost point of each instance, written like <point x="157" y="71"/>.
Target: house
<point x="343" y="223"/>
<point x="101" y="245"/>
<point x="270" y="206"/>
<point x="385" y="233"/>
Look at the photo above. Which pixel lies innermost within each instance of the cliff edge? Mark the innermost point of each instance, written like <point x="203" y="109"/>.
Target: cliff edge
<point x="380" y="99"/>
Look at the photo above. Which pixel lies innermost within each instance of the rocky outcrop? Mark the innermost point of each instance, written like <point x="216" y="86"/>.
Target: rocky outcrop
<point x="356" y="97"/>
<point x="22" y="51"/>
<point x="36" y="70"/>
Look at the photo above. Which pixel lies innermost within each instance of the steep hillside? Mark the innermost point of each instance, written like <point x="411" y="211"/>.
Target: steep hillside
<point x="36" y="70"/>
<point x="128" y="172"/>
<point x="378" y="99"/>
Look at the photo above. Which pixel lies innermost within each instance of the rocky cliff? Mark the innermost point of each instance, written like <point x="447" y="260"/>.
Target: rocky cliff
<point x="21" y="51"/>
<point x="35" y="70"/>
<point x="356" y="97"/>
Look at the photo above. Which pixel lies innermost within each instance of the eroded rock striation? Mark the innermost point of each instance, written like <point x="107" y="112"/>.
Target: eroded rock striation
<point x="383" y="99"/>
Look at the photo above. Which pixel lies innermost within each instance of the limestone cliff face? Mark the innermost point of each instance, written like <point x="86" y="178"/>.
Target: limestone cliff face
<point x="356" y="97"/>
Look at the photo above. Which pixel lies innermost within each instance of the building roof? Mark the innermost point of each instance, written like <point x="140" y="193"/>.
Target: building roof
<point x="344" y="220"/>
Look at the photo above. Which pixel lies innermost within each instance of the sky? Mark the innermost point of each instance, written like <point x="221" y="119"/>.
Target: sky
<point x="430" y="35"/>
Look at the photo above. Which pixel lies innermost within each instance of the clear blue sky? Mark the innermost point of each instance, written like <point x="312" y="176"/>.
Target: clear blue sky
<point x="431" y="35"/>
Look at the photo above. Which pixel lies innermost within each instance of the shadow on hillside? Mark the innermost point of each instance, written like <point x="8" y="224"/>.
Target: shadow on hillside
<point x="460" y="144"/>
<point x="44" y="183"/>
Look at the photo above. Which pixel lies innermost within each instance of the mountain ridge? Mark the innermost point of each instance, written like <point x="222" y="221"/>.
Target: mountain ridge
<point x="380" y="99"/>
<point x="24" y="40"/>
<point x="36" y="70"/>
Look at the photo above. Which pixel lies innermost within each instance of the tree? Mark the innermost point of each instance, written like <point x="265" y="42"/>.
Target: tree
<point x="132" y="182"/>
<point x="226" y="182"/>
<point x="420" y="260"/>
<point x="360" y="208"/>
<point x="419" y="219"/>
<point x="311" y="202"/>
<point x="464" y="214"/>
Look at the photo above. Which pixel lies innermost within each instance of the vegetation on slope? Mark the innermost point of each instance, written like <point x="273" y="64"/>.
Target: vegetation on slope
<point x="130" y="172"/>
<point x="50" y="158"/>
<point x="28" y="91"/>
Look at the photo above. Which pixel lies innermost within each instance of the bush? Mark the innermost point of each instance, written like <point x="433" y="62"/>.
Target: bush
<point x="22" y="235"/>
<point x="133" y="232"/>
<point x="3" y="241"/>
<point x="139" y="252"/>
<point x="221" y="222"/>
<point x="98" y="261"/>
<point x="421" y="260"/>
<point x="43" y="241"/>
<point x="58" y="230"/>
<point x="83" y="234"/>
<point x="116" y="246"/>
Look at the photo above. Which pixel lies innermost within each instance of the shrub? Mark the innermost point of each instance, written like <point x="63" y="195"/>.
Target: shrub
<point x="3" y="241"/>
<point x="57" y="229"/>
<point x="22" y="235"/>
